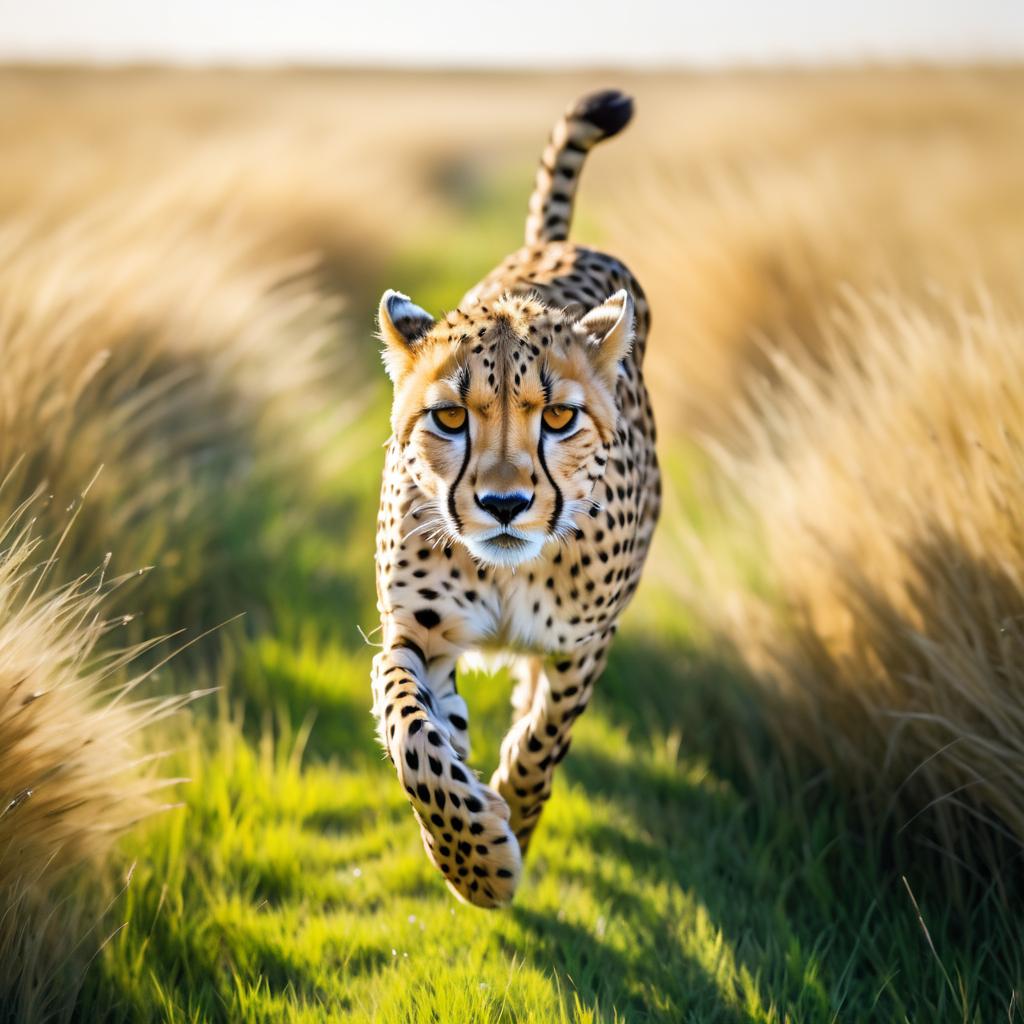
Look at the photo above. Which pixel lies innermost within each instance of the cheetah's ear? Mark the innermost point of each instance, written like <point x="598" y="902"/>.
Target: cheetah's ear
<point x="402" y="323"/>
<point x="608" y="329"/>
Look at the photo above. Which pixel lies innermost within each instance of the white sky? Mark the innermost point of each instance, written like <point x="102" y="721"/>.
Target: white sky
<point x="489" y="33"/>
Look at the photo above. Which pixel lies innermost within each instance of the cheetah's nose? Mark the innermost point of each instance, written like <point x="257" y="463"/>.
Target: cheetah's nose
<point x="504" y="507"/>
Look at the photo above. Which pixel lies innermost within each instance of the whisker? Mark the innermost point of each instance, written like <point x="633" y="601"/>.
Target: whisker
<point x="414" y="512"/>
<point x="430" y="524"/>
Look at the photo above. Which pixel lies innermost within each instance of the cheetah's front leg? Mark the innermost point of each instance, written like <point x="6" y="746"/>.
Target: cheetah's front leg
<point x="463" y="822"/>
<point x="540" y="735"/>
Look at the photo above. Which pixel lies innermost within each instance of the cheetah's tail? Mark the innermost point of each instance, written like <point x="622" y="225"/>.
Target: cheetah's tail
<point x="591" y="119"/>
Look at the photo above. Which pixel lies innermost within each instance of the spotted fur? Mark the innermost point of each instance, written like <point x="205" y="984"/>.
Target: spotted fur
<point x="506" y="533"/>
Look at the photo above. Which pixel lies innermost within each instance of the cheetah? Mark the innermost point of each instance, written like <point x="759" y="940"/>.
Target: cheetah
<point x="520" y="493"/>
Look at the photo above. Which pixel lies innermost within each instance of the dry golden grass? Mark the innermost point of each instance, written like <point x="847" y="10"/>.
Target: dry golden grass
<point x="883" y="613"/>
<point x="73" y="775"/>
<point x="759" y="200"/>
<point x="141" y="345"/>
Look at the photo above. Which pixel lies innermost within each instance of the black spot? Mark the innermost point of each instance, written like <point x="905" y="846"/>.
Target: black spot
<point x="458" y="721"/>
<point x="412" y="759"/>
<point x="427" y="618"/>
<point x="458" y="774"/>
<point x="415" y="727"/>
<point x="472" y="804"/>
<point x="435" y="764"/>
<point x="423" y="793"/>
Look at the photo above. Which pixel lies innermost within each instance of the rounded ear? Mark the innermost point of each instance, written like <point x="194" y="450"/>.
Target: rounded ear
<point x="402" y="323"/>
<point x="609" y="333"/>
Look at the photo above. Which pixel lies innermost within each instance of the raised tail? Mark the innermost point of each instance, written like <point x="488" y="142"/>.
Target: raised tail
<point x="591" y="119"/>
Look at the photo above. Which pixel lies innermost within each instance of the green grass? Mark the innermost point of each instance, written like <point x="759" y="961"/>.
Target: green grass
<point x="680" y="873"/>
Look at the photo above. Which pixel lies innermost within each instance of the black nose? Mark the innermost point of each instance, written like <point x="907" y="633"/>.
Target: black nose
<point x="504" y="507"/>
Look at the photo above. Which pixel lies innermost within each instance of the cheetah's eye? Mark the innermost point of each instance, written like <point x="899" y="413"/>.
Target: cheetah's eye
<point x="559" y="418"/>
<point x="452" y="419"/>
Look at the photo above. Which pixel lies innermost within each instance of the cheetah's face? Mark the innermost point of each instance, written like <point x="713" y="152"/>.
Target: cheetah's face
<point x="505" y="417"/>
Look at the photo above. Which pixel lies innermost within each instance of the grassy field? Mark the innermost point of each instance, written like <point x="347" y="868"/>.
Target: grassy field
<point x="690" y="867"/>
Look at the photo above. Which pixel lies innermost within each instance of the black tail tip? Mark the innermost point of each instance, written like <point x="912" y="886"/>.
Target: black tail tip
<point x="609" y="110"/>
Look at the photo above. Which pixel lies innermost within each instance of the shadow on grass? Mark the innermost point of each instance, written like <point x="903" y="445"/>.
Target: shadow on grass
<point x="712" y="833"/>
<point x="639" y="984"/>
<point x="810" y="912"/>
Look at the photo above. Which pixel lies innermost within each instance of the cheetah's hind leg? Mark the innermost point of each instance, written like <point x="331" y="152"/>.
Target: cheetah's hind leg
<point x="526" y="672"/>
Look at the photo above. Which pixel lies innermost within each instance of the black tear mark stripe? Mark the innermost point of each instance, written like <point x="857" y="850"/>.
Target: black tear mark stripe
<point x="556" y="512"/>
<point x="463" y="383"/>
<point x="455" y="486"/>
<point x="545" y="383"/>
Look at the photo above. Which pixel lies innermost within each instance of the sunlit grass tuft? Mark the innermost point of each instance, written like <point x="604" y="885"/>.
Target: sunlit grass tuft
<point x="74" y="771"/>
<point x="883" y="484"/>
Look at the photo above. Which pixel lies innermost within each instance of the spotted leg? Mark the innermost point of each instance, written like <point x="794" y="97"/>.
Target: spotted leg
<point x="540" y="734"/>
<point x="463" y="822"/>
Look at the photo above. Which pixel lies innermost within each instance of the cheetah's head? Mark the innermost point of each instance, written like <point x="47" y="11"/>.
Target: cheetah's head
<point x="505" y="416"/>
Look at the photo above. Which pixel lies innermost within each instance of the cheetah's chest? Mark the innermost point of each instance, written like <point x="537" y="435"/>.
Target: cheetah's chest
<point x="577" y="588"/>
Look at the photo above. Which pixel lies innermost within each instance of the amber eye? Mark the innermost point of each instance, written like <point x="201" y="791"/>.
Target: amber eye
<point x="559" y="417"/>
<point x="451" y="419"/>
